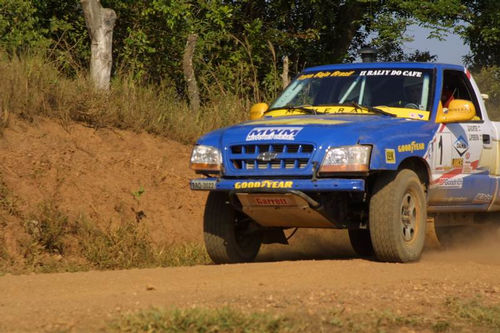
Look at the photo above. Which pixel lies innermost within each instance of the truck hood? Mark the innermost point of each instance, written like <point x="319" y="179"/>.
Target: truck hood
<point x="322" y="132"/>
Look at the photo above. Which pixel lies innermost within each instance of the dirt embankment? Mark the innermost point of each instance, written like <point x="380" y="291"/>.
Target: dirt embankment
<point x="111" y="176"/>
<point x="108" y="176"/>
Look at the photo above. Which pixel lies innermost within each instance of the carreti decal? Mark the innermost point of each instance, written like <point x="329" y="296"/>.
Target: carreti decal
<point x="411" y="147"/>
<point x="263" y="184"/>
<point x="273" y="202"/>
<point x="273" y="133"/>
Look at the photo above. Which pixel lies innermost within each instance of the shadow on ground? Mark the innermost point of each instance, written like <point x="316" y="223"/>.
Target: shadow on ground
<point x="310" y="244"/>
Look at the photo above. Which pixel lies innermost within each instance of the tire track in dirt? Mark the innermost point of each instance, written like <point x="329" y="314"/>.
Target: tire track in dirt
<point x="85" y="301"/>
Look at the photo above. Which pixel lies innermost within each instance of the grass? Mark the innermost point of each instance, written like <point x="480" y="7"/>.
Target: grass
<point x="476" y="312"/>
<point x="31" y="87"/>
<point x="201" y="320"/>
<point x="54" y="243"/>
<point x="8" y="201"/>
<point x="455" y="315"/>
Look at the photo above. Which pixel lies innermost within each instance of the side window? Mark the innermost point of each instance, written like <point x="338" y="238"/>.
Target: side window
<point x="456" y="85"/>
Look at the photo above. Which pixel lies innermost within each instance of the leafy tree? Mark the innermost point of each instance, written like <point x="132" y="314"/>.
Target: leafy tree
<point x="488" y="80"/>
<point x="18" y="26"/>
<point x="241" y="42"/>
<point x="483" y="32"/>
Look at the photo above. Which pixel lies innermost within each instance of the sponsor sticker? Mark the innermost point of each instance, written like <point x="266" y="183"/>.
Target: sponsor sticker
<point x="321" y="75"/>
<point x="200" y="184"/>
<point x="389" y="72"/>
<point x="273" y="201"/>
<point x="390" y="156"/>
<point x="457" y="162"/>
<point x="461" y="145"/>
<point x="473" y="137"/>
<point x="263" y="184"/>
<point x="416" y="115"/>
<point x="411" y="147"/>
<point x="482" y="198"/>
<point x="273" y="133"/>
<point x="451" y="182"/>
<point x="473" y="128"/>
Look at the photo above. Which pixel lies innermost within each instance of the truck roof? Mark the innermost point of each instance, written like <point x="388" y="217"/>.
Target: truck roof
<point x="376" y="65"/>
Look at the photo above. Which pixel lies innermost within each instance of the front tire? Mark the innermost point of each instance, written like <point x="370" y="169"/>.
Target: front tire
<point x="230" y="236"/>
<point x="398" y="216"/>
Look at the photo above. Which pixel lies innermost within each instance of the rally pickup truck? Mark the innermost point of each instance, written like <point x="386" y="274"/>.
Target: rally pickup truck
<point x="379" y="149"/>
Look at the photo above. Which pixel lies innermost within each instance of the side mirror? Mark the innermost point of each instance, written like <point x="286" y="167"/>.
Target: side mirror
<point x="459" y="110"/>
<point x="257" y="110"/>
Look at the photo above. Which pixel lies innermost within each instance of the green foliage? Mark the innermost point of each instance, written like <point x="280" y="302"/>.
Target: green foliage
<point x="48" y="227"/>
<point x="31" y="86"/>
<point x="241" y="44"/>
<point x="476" y="312"/>
<point x="19" y="30"/>
<point x="488" y="80"/>
<point x="8" y="202"/>
<point x="200" y="320"/>
<point x="483" y="32"/>
<point x="455" y="315"/>
<point x="57" y="243"/>
<point x="137" y="194"/>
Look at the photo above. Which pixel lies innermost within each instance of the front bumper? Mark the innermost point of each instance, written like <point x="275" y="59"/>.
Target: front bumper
<point x="277" y="185"/>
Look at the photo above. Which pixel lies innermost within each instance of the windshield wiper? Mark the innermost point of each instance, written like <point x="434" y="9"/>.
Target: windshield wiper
<point x="369" y="108"/>
<point x="298" y="107"/>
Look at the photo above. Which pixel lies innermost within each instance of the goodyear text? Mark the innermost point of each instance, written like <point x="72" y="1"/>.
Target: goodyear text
<point x="263" y="184"/>
<point x="411" y="147"/>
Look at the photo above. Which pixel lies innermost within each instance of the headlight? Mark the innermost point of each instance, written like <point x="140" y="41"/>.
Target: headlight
<point x="346" y="159"/>
<point x="206" y="158"/>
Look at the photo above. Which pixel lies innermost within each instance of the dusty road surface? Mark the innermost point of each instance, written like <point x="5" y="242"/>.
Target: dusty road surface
<point x="309" y="288"/>
<point x="109" y="176"/>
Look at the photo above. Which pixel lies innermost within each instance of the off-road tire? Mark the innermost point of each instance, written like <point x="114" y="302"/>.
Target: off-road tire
<point x="361" y="242"/>
<point x="397" y="218"/>
<point x="228" y="238"/>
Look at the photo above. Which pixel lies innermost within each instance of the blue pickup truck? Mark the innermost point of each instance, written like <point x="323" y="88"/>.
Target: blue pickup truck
<point x="379" y="149"/>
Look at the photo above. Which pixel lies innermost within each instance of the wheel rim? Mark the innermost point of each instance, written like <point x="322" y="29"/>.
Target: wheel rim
<point x="409" y="218"/>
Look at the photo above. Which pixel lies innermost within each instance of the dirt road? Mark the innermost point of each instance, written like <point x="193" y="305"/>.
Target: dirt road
<point x="102" y="173"/>
<point x="87" y="301"/>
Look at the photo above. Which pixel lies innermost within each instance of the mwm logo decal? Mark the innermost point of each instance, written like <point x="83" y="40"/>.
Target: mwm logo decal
<point x="273" y="133"/>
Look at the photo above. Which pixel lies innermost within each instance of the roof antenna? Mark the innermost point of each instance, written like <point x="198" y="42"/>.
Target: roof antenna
<point x="368" y="54"/>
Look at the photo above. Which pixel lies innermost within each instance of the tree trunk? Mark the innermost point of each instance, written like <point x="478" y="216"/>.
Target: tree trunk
<point x="100" y="23"/>
<point x="284" y="75"/>
<point x="189" y="76"/>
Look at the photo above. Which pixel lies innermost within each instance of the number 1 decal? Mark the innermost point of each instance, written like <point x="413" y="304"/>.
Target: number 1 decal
<point x="442" y="157"/>
<point x="440" y="148"/>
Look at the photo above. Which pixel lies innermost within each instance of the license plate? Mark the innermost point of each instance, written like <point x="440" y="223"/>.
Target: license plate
<point x="203" y="184"/>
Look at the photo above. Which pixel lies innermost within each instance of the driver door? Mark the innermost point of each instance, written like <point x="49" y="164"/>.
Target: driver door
<point x="458" y="177"/>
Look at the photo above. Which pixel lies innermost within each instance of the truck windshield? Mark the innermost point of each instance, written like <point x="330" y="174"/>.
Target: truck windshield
<point x="397" y="91"/>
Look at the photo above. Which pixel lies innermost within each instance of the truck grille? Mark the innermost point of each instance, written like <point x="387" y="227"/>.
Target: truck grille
<point x="271" y="156"/>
